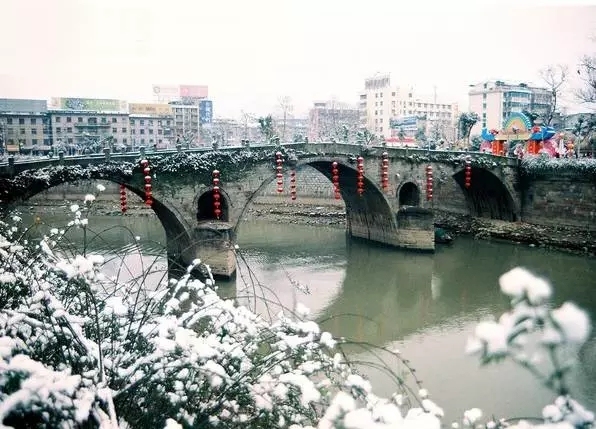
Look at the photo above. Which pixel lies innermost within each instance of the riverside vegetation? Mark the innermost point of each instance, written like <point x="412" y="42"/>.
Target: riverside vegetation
<point x="81" y="349"/>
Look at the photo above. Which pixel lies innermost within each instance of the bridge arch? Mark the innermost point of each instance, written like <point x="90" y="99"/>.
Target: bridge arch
<point x="408" y="194"/>
<point x="488" y="196"/>
<point x="367" y="216"/>
<point x="204" y="205"/>
<point x="179" y="242"/>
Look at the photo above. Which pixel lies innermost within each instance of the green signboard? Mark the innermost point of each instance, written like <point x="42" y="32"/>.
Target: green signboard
<point x="94" y="104"/>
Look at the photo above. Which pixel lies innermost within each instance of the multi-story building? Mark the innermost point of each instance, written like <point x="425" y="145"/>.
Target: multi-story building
<point x="494" y="101"/>
<point x="381" y="104"/>
<point x="187" y="127"/>
<point x="151" y="125"/>
<point x="88" y="125"/>
<point x="24" y="126"/>
<point x="328" y="120"/>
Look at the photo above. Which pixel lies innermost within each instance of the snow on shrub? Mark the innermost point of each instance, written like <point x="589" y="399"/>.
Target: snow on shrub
<point x="79" y="349"/>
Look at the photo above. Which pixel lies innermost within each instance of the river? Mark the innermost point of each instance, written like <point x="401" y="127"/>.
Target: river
<point x="425" y="305"/>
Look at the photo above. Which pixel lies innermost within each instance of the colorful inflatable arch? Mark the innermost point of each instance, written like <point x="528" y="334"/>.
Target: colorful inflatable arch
<point x="518" y="127"/>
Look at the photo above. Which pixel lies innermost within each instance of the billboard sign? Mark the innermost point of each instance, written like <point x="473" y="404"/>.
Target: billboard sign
<point x="156" y="109"/>
<point x="194" y="91"/>
<point x="14" y="105"/>
<point x="407" y="123"/>
<point x="165" y="93"/>
<point x="89" y="104"/>
<point x="205" y="112"/>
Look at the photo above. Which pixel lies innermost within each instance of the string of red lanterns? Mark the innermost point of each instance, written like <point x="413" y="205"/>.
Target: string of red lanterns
<point x="360" y="176"/>
<point x="293" y="184"/>
<point x="429" y="182"/>
<point x="335" y="179"/>
<point x="216" y="195"/>
<point x="148" y="187"/>
<point x="279" y="175"/>
<point x="123" y="206"/>
<point x="468" y="172"/>
<point x="385" y="171"/>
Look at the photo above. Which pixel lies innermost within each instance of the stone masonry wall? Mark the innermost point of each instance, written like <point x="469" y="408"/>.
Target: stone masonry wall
<point x="560" y="200"/>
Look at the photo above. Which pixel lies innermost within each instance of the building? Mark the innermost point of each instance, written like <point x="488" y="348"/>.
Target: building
<point x="89" y="124"/>
<point x="382" y="104"/>
<point x="494" y="101"/>
<point x="24" y="126"/>
<point x="188" y="94"/>
<point x="187" y="128"/>
<point x="329" y="120"/>
<point x="151" y="125"/>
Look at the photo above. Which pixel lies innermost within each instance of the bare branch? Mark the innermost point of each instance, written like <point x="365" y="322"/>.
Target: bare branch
<point x="555" y="78"/>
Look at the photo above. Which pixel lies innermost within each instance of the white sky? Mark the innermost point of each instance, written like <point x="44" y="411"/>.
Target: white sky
<point x="251" y="52"/>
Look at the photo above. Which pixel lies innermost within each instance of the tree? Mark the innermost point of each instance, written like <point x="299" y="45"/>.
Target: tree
<point x="585" y="131"/>
<point x="266" y="128"/>
<point x="465" y="122"/>
<point x="285" y="103"/>
<point x="364" y="137"/>
<point x="587" y="73"/>
<point x="554" y="77"/>
<point x="476" y="141"/>
<point x="420" y="135"/>
<point x="401" y="134"/>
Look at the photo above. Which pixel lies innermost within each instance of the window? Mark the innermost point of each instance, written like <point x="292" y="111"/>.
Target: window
<point x="46" y="141"/>
<point x="381" y="103"/>
<point x="69" y="130"/>
<point x="380" y="129"/>
<point x="159" y="131"/>
<point x="124" y="130"/>
<point x="104" y="120"/>
<point x="33" y="130"/>
<point x="133" y="131"/>
<point x="70" y="140"/>
<point x="34" y="142"/>
<point x="114" y="130"/>
<point x="114" y="120"/>
<point x="393" y="94"/>
<point x="79" y="119"/>
<point x="68" y="119"/>
<point x="58" y="119"/>
<point x="159" y="141"/>
<point x="58" y="130"/>
<point x="150" y="122"/>
<point x="21" y="121"/>
<point x="168" y="122"/>
<point x="142" y="122"/>
<point x="33" y="121"/>
<point x="142" y="131"/>
<point x="150" y="141"/>
<point x="142" y="141"/>
<point x="484" y="106"/>
<point x="124" y="140"/>
<point x="150" y="130"/>
<point x="22" y="130"/>
<point x="92" y="121"/>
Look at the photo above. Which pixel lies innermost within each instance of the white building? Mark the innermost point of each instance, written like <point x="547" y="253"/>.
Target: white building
<point x="494" y="101"/>
<point x="382" y="104"/>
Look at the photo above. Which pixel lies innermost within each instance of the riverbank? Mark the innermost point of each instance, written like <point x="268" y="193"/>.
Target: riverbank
<point x="331" y="213"/>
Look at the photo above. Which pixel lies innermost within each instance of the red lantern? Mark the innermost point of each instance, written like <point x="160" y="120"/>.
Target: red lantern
<point x="123" y="207"/>
<point x="147" y="172"/>
<point x="293" y="184"/>
<point x="468" y="173"/>
<point x="429" y="182"/>
<point x="216" y="196"/>
<point x="360" y="176"/>
<point x="385" y="171"/>
<point x="335" y="179"/>
<point x="279" y="175"/>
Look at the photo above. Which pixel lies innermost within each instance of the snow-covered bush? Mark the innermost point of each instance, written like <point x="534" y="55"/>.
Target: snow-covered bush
<point x="78" y="349"/>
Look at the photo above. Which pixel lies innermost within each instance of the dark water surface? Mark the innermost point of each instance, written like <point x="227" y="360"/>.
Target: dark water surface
<point x="425" y="305"/>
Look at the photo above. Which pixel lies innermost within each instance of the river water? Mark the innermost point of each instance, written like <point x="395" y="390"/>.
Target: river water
<point x="425" y="305"/>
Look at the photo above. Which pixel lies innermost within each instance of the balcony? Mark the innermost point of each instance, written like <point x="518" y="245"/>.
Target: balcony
<point x="102" y="125"/>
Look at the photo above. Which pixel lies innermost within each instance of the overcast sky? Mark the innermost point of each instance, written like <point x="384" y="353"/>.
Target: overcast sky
<point x="251" y="52"/>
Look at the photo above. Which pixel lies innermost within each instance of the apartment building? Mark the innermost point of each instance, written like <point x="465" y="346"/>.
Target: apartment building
<point x="381" y="104"/>
<point x="186" y="123"/>
<point x="494" y="101"/>
<point x="328" y="119"/>
<point x="24" y="126"/>
<point x="151" y="125"/>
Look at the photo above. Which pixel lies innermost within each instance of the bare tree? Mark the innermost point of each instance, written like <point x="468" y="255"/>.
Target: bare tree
<point x="587" y="73"/>
<point x="285" y="103"/>
<point x="554" y="77"/>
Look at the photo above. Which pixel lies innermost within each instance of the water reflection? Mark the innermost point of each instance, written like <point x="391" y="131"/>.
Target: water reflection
<point x="423" y="304"/>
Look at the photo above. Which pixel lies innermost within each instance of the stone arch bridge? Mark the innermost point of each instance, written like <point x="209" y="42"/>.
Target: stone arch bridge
<point x="399" y="215"/>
